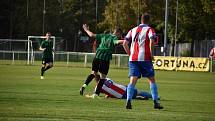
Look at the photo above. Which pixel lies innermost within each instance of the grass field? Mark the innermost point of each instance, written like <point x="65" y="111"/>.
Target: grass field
<point x="186" y="96"/>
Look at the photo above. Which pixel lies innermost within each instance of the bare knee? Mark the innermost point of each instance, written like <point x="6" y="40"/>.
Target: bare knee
<point x="51" y="64"/>
<point x="43" y="65"/>
<point x="133" y="80"/>
<point x="103" y="76"/>
<point x="94" y="73"/>
<point x="151" y="79"/>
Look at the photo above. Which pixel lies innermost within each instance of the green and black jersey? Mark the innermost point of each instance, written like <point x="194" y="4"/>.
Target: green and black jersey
<point x="106" y="46"/>
<point x="48" y="45"/>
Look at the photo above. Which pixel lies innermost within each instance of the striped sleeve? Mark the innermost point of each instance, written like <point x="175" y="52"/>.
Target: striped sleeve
<point x="128" y="37"/>
<point x="212" y="52"/>
<point x="152" y="34"/>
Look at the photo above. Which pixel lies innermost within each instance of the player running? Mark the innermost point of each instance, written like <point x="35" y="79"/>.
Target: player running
<point x="115" y="90"/>
<point x="47" y="57"/>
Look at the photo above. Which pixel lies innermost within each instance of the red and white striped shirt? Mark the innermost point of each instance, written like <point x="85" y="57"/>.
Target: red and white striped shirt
<point x="139" y="37"/>
<point x="113" y="89"/>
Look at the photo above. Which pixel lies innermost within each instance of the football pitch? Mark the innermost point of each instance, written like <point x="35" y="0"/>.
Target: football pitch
<point x="186" y="96"/>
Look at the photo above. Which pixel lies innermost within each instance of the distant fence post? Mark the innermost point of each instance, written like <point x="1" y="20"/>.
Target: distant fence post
<point x="85" y="60"/>
<point x="67" y="59"/>
<point x="119" y="60"/>
<point x="13" y="58"/>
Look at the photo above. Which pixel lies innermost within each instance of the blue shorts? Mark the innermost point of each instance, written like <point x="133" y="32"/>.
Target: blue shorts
<point x="141" y="68"/>
<point x="134" y="95"/>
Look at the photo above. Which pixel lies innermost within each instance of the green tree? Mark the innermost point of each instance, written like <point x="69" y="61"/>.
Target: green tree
<point x="65" y="17"/>
<point x="197" y="20"/>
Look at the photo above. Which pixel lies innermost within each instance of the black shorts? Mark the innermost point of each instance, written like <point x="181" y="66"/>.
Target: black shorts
<point x="100" y="65"/>
<point x="47" y="60"/>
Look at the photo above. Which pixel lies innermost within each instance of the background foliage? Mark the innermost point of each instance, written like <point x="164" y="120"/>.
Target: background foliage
<point x="64" y="18"/>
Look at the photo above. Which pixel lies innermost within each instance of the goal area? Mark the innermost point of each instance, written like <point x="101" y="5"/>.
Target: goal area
<point x="24" y="48"/>
<point x="21" y="49"/>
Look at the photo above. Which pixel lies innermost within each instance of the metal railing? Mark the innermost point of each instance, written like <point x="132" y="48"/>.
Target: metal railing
<point x="69" y="59"/>
<point x="119" y="60"/>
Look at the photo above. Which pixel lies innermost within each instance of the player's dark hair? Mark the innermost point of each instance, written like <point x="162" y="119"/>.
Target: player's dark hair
<point x="48" y="33"/>
<point x="119" y="30"/>
<point x="145" y="17"/>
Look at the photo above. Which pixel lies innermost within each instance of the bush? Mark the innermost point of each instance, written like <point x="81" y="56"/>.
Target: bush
<point x="185" y="53"/>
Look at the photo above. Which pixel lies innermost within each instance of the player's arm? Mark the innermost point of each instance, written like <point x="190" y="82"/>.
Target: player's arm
<point x="120" y="42"/>
<point x="152" y="38"/>
<point x="42" y="47"/>
<point x="152" y="48"/>
<point x="128" y="39"/>
<point x="211" y="53"/>
<point x="86" y="29"/>
<point x="126" y="47"/>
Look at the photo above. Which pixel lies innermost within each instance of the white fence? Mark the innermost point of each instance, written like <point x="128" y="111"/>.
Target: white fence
<point x="66" y="59"/>
<point x="119" y="60"/>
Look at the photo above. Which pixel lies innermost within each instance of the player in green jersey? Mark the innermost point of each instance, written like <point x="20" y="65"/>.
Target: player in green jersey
<point x="101" y="61"/>
<point x="47" y="57"/>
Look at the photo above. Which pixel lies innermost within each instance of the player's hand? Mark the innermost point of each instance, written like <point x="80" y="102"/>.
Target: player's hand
<point x="42" y="48"/>
<point x="85" y="27"/>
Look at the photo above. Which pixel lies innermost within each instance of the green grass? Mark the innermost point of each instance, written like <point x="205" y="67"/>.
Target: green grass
<point x="186" y="96"/>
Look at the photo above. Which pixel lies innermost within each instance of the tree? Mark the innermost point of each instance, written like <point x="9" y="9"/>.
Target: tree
<point x="65" y="17"/>
<point x="197" y="20"/>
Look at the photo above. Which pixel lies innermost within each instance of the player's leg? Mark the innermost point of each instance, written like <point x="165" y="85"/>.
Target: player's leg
<point x="153" y="88"/>
<point x="91" y="76"/>
<point x="154" y="92"/>
<point x="94" y="73"/>
<point x="100" y="84"/>
<point x="130" y="91"/>
<point x="43" y="69"/>
<point x="49" y="64"/>
<point x="103" y="69"/>
<point x="148" y="71"/>
<point x="144" y="94"/>
<point x="134" y="74"/>
<point x="97" y="78"/>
